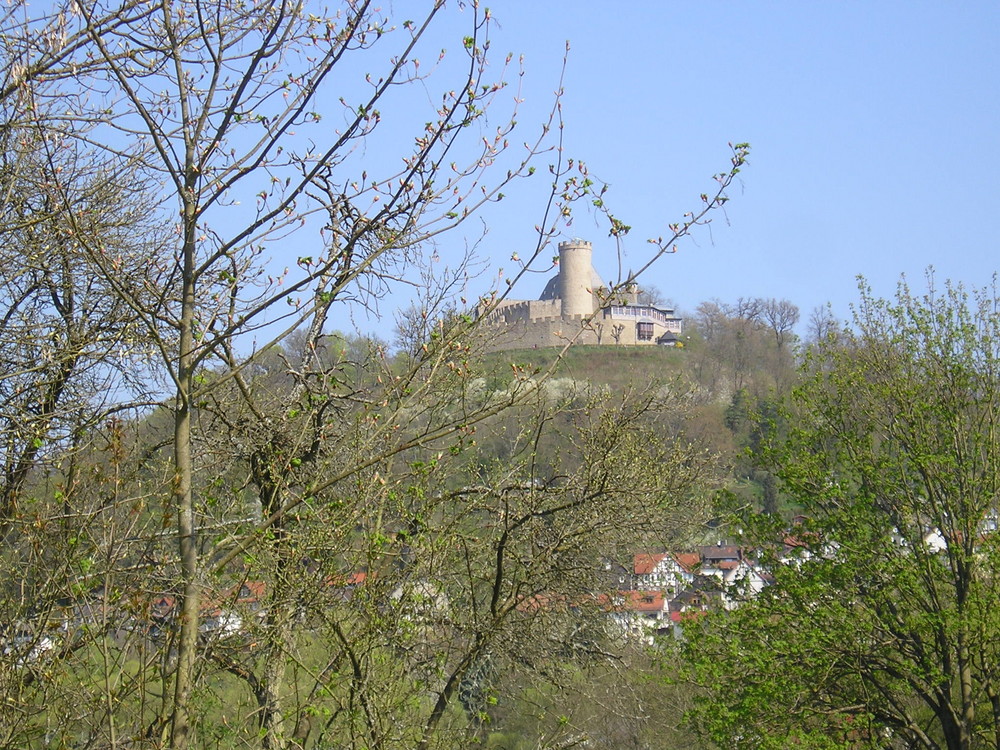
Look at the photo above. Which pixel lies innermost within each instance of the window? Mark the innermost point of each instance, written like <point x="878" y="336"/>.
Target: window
<point x="644" y="331"/>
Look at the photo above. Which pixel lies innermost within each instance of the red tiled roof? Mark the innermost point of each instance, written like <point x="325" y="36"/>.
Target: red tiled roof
<point x="356" y="578"/>
<point x="162" y="606"/>
<point x="689" y="561"/>
<point x="689" y="615"/>
<point x="806" y="539"/>
<point x="246" y="593"/>
<point x="643" y="601"/>
<point x="646" y="563"/>
<point x="541" y="601"/>
<point x="633" y="601"/>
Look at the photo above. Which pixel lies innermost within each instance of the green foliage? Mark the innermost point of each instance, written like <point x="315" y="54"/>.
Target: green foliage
<point x="879" y="630"/>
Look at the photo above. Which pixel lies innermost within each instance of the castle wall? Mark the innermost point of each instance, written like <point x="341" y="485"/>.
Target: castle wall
<point x="550" y="332"/>
<point x="617" y="326"/>
<point x="569" y="300"/>
<point x="520" y="311"/>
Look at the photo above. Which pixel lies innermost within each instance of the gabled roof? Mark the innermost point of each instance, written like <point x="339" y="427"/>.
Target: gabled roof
<point x="689" y="561"/>
<point x="715" y="552"/>
<point x="646" y="563"/>
<point x="162" y="607"/>
<point x="797" y="539"/>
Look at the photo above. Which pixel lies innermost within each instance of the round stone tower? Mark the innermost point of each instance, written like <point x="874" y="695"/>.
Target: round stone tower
<point x="576" y="278"/>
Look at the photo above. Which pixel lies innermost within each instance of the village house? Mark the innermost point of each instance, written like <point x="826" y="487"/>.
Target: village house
<point x="640" y="614"/>
<point x="668" y="572"/>
<point x="674" y="585"/>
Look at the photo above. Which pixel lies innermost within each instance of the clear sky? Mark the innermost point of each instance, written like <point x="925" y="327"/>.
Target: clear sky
<point x="874" y="128"/>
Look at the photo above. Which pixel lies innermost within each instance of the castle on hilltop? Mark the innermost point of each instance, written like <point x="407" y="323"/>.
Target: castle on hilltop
<point x="576" y="305"/>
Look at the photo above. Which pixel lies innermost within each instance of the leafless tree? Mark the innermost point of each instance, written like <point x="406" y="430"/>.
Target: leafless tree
<point x="651" y="295"/>
<point x="223" y="134"/>
<point x="736" y="341"/>
<point x="71" y="350"/>
<point x="781" y="316"/>
<point x="822" y="324"/>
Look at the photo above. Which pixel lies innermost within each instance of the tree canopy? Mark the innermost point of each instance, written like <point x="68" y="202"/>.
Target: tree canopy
<point x="880" y="629"/>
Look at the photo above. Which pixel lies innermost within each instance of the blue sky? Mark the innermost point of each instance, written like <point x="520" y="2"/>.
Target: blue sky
<point x="874" y="128"/>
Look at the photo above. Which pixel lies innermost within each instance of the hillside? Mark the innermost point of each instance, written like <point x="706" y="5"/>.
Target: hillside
<point x="603" y="365"/>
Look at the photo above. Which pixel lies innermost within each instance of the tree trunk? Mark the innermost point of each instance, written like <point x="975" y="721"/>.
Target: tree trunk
<point x="271" y="704"/>
<point x="966" y="687"/>
<point x="184" y="500"/>
<point x="995" y="705"/>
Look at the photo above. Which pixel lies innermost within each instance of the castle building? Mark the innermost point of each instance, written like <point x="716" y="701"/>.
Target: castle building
<point x="577" y="305"/>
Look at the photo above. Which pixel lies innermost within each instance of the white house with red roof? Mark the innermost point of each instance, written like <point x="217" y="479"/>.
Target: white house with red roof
<point x="667" y="572"/>
<point x="640" y="614"/>
<point x="667" y="587"/>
